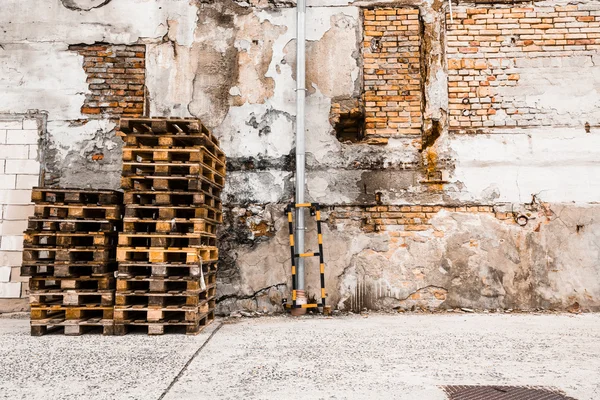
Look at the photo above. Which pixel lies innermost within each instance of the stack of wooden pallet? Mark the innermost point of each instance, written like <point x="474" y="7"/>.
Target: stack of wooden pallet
<point x="69" y="255"/>
<point x="173" y="174"/>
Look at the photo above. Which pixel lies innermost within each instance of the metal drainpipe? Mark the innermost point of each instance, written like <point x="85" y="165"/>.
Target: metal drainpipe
<point x="300" y="132"/>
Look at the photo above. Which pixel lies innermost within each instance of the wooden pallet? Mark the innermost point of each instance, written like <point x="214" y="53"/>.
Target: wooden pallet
<point x="175" y="225"/>
<point x="41" y="195"/>
<point x="67" y="270"/>
<point x="207" y="160"/>
<point x="165" y="284"/>
<point x="172" y="183"/>
<point x="157" y="125"/>
<point x="76" y="211"/>
<point x="152" y="212"/>
<point x="164" y="326"/>
<point x="124" y="314"/>
<point x="187" y="255"/>
<point x="163" y="270"/>
<point x="72" y="225"/>
<point x="91" y="282"/>
<point x="76" y="297"/>
<point x="164" y="299"/>
<point x="175" y="198"/>
<point x="68" y="239"/>
<point x="72" y="327"/>
<point x="158" y="155"/>
<point x="72" y="312"/>
<point x="169" y="240"/>
<point x="79" y="255"/>
<point x="164" y="198"/>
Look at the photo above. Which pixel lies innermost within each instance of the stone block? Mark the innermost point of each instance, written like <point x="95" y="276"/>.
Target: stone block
<point x="31" y="167"/>
<point x="12" y="227"/>
<point x="11" y="124"/>
<point x="10" y="258"/>
<point x="22" y="136"/>
<point x="14" y="151"/>
<point x="8" y="181"/>
<point x="17" y="196"/>
<point x="30" y="124"/>
<point x="27" y="181"/>
<point x="17" y="212"/>
<point x="11" y="243"/>
<point x="5" y="274"/>
<point x="10" y="290"/>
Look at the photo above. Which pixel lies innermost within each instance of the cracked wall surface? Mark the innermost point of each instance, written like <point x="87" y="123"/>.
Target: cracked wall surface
<point x="232" y="64"/>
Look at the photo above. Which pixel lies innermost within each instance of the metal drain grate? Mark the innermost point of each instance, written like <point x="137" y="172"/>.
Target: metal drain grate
<point x="503" y="393"/>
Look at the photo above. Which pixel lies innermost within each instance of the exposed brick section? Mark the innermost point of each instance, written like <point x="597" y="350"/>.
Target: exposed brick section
<point x="392" y="72"/>
<point x="487" y="47"/>
<point x="405" y="220"/>
<point x="116" y="78"/>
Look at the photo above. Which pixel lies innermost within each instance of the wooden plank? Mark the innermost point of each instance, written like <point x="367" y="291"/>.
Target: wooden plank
<point x="179" y="225"/>
<point x="186" y="255"/>
<point x="163" y="270"/>
<point x="41" y="195"/>
<point x="167" y="240"/>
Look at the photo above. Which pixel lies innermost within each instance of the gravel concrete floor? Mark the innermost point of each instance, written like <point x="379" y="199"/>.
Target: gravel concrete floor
<point x="375" y="357"/>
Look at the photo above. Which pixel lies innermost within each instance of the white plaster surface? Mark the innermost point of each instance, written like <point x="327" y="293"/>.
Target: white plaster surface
<point x="558" y="165"/>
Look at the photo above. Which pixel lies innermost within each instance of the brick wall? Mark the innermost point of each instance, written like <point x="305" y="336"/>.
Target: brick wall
<point x="490" y="47"/>
<point x="392" y="72"/>
<point x="19" y="172"/>
<point x="116" y="78"/>
<point x="406" y="220"/>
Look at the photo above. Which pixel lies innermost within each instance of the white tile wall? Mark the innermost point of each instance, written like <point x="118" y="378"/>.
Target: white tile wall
<point x="19" y="172"/>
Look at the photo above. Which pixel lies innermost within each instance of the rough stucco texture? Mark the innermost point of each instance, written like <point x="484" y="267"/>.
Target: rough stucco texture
<point x="232" y="65"/>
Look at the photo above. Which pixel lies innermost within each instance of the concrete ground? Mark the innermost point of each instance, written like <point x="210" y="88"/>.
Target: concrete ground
<point x="376" y="357"/>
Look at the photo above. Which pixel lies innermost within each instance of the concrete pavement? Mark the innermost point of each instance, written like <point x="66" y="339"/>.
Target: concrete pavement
<point x="380" y="357"/>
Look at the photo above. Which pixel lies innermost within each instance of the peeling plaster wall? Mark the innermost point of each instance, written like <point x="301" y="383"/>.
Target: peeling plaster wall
<point x="232" y="64"/>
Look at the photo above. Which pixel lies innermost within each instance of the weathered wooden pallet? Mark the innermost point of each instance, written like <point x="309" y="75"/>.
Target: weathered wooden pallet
<point x="67" y="270"/>
<point x="76" y="211"/>
<point x="164" y="299"/>
<point x="154" y="155"/>
<point x="170" y="240"/>
<point x="72" y="327"/>
<point x="180" y="198"/>
<point x="91" y="282"/>
<point x="171" y="183"/>
<point x="188" y="255"/>
<point x="68" y="239"/>
<point x="41" y="195"/>
<point x="165" y="284"/>
<point x="75" y="297"/>
<point x="157" y="125"/>
<point x="73" y="225"/>
<point x="72" y="312"/>
<point x="164" y="326"/>
<point x="77" y="255"/>
<point x="163" y="270"/>
<point x="206" y="160"/>
<point x="175" y="225"/>
<point x="124" y="314"/>
<point x="173" y="212"/>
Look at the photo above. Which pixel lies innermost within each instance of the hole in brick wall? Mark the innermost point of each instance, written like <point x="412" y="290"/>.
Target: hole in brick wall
<point x="376" y="45"/>
<point x="350" y="127"/>
<point x="348" y="119"/>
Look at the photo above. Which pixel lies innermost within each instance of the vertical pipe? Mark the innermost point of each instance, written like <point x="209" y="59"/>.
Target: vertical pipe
<point x="300" y="132"/>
